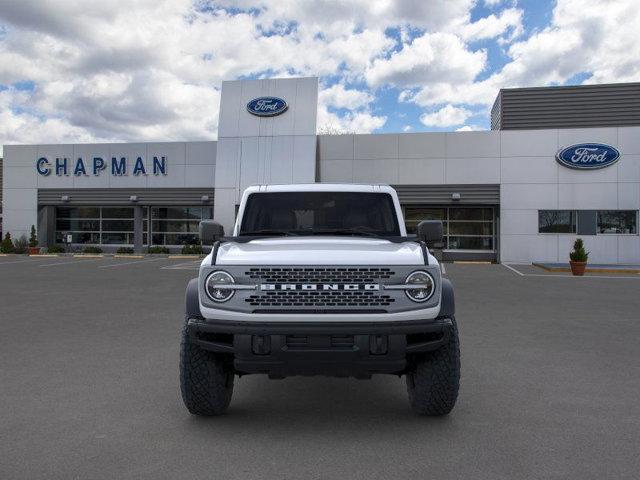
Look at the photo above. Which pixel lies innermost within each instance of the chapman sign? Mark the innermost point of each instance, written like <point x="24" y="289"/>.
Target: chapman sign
<point x="96" y="165"/>
<point x="267" y="106"/>
<point x="588" y="156"/>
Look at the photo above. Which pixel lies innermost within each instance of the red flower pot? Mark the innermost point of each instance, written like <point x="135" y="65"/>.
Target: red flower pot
<point x="578" y="268"/>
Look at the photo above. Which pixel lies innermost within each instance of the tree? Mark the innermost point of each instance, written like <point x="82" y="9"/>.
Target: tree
<point x="33" y="239"/>
<point x="7" y="244"/>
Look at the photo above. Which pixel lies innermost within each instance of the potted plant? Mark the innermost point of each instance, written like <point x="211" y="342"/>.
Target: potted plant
<point x="578" y="258"/>
<point x="33" y="242"/>
<point x="7" y="244"/>
<point x="21" y="245"/>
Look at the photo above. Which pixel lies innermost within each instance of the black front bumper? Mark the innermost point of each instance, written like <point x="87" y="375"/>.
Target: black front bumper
<point x="281" y="349"/>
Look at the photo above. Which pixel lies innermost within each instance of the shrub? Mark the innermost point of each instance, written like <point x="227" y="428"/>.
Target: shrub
<point x="579" y="254"/>
<point x="158" y="249"/>
<point x="33" y="238"/>
<point x="92" y="249"/>
<point x="125" y="250"/>
<point x="7" y="244"/>
<point x="191" y="249"/>
<point x="55" y="249"/>
<point x="21" y="245"/>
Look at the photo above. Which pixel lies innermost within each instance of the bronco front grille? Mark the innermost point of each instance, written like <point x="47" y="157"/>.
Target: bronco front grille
<point x="319" y="274"/>
<point x="335" y="298"/>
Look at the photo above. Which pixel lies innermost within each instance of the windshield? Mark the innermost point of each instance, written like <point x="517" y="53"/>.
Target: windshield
<point x="320" y="213"/>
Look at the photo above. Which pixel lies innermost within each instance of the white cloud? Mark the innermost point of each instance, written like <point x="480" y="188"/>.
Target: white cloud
<point x="433" y="57"/>
<point x="509" y="20"/>
<point x="583" y="37"/>
<point x="151" y="69"/>
<point x="338" y="96"/>
<point x="407" y="128"/>
<point x="469" y="128"/>
<point x="447" y="116"/>
<point x="351" y="122"/>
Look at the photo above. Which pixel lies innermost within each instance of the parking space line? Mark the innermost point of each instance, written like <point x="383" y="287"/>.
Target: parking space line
<point x="513" y="269"/>
<point x="21" y="261"/>
<point x="616" y="277"/>
<point x="183" y="266"/>
<point x="70" y="262"/>
<point x="130" y="263"/>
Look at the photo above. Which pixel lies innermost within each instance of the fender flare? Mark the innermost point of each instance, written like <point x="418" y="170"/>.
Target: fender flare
<point x="192" y="300"/>
<point x="447" y="303"/>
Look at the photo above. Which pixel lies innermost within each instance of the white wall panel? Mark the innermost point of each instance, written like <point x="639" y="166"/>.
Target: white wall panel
<point x="528" y="248"/>
<point x="473" y="144"/>
<point x="305" y="107"/>
<point x="473" y="170"/>
<point x="375" y="171"/>
<point x="629" y="140"/>
<point x="335" y="147"/>
<point x="202" y="176"/>
<point x="20" y="155"/>
<point x="20" y="177"/>
<point x="20" y="199"/>
<point x="304" y="158"/>
<point x="570" y="136"/>
<point x="587" y="196"/>
<point x="519" y="222"/>
<point x="200" y="153"/>
<point x="421" y="170"/>
<point x="336" y="171"/>
<point x="529" y="170"/>
<point x="227" y="162"/>
<point x="374" y="147"/>
<point x="629" y="196"/>
<point x="529" y="143"/>
<point x="528" y="196"/>
<point x="628" y="248"/>
<point x="629" y="168"/>
<point x="422" y="145"/>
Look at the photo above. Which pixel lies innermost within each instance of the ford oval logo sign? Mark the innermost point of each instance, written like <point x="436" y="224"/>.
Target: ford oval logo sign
<point x="267" y="106"/>
<point x="588" y="156"/>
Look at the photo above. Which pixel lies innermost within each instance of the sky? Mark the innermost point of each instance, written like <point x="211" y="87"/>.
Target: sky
<point x="77" y="71"/>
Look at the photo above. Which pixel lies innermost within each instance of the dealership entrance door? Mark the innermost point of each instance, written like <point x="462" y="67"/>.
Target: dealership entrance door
<point x="469" y="215"/>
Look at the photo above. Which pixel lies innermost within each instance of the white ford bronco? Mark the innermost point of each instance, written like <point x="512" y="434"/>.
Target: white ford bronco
<point x="320" y="279"/>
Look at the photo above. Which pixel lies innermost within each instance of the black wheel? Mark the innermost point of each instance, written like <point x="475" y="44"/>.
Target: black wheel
<point x="434" y="378"/>
<point x="206" y="380"/>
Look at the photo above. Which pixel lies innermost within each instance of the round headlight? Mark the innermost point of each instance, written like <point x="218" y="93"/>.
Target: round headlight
<point x="426" y="289"/>
<point x="212" y="286"/>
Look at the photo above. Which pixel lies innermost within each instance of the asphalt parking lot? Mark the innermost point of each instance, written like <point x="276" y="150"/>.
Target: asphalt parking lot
<point x="89" y="385"/>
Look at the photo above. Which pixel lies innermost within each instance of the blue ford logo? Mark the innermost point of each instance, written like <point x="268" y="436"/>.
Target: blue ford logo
<point x="588" y="156"/>
<point x="267" y="106"/>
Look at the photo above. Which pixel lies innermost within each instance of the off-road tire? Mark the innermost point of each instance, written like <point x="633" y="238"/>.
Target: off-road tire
<point x="206" y="380"/>
<point x="434" y="378"/>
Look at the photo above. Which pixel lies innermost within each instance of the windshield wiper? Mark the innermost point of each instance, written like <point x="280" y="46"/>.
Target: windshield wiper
<point x="363" y="231"/>
<point x="268" y="231"/>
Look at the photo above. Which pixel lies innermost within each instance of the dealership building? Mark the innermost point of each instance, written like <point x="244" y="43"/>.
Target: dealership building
<point x="559" y="163"/>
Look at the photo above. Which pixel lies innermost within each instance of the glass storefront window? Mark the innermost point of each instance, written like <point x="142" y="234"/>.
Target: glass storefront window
<point x="556" y="221"/>
<point x="464" y="228"/>
<point x="95" y="225"/>
<point x="177" y="225"/>
<point x="618" y="221"/>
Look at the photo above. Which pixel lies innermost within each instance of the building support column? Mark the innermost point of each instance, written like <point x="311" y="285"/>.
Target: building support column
<point x="46" y="229"/>
<point x="138" y="225"/>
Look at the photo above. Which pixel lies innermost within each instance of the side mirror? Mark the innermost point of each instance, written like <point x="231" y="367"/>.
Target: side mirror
<point x="210" y="232"/>
<point x="430" y="231"/>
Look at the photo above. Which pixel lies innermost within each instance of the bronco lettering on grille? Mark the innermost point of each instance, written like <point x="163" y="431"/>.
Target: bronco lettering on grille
<point x="319" y="286"/>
